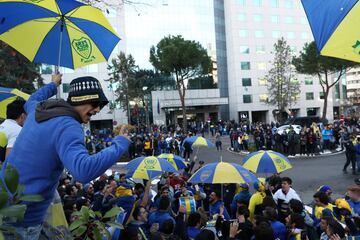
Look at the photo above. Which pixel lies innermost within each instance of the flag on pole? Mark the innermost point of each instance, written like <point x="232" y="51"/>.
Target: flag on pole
<point x="158" y="106"/>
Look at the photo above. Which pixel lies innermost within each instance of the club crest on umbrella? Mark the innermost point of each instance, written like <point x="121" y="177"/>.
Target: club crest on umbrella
<point x="280" y="163"/>
<point x="356" y="47"/>
<point x="83" y="47"/>
<point x="150" y="163"/>
<point x="205" y="175"/>
<point x="35" y="1"/>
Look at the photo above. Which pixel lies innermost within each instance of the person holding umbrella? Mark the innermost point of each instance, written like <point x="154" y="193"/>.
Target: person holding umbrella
<point x="53" y="139"/>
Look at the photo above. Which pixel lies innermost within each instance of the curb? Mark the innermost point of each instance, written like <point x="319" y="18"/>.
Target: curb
<point x="292" y="157"/>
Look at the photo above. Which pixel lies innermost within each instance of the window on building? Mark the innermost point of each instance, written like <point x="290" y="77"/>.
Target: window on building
<point x="308" y="81"/>
<point x="247" y="99"/>
<point x="274" y="3"/>
<point x="260" y="49"/>
<point x="304" y="35"/>
<point x="242" y="17"/>
<point x="309" y="96"/>
<point x="66" y="87"/>
<point x="257" y="3"/>
<point x="296" y="97"/>
<point x="289" y="20"/>
<point x="244" y="49"/>
<point x="258" y="18"/>
<point x="46" y="69"/>
<point x="241" y="2"/>
<point x="303" y="21"/>
<point x="289" y="4"/>
<point x="262" y="82"/>
<point x="245" y="65"/>
<point x="337" y="91"/>
<point x="312" y="111"/>
<point x="259" y="34"/>
<point x="275" y="34"/>
<point x="291" y="35"/>
<point x="344" y="90"/>
<point x="275" y="19"/>
<point x="261" y="66"/>
<point x="263" y="97"/>
<point x="246" y="82"/>
<point x="243" y="33"/>
<point x="321" y="95"/>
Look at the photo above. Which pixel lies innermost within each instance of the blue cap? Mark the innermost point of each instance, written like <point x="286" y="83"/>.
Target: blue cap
<point x="244" y="186"/>
<point x="324" y="188"/>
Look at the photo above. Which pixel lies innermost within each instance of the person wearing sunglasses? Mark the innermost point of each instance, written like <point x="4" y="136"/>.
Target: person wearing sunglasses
<point x="53" y="139"/>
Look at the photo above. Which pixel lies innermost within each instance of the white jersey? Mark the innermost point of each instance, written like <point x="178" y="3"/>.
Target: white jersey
<point x="11" y="130"/>
<point x="286" y="198"/>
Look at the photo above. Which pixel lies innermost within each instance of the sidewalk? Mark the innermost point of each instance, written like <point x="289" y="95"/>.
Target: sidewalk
<point x="321" y="154"/>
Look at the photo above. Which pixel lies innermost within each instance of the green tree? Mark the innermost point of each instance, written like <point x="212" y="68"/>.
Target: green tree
<point x="283" y="87"/>
<point x="206" y="82"/>
<point x="16" y="71"/>
<point x="184" y="59"/>
<point x="122" y="72"/>
<point x="311" y="63"/>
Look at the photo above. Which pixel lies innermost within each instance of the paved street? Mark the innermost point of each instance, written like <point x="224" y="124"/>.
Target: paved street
<point x="307" y="173"/>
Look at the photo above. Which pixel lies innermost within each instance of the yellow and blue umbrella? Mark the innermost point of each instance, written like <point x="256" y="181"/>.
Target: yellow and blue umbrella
<point x="58" y="32"/>
<point x="198" y="141"/>
<point x="334" y="24"/>
<point x="222" y="172"/>
<point x="266" y="162"/>
<point x="148" y="167"/>
<point x="176" y="161"/>
<point x="8" y="95"/>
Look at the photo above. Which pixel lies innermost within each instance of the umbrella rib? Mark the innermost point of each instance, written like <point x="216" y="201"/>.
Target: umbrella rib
<point x="74" y="10"/>
<point x="35" y="20"/>
<point x="58" y="8"/>
<point x="46" y="36"/>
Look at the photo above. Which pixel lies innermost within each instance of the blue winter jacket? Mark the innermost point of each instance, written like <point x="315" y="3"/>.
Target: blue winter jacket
<point x="43" y="149"/>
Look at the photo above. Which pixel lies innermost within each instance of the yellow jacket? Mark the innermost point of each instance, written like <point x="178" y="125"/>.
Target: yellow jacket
<point x="255" y="200"/>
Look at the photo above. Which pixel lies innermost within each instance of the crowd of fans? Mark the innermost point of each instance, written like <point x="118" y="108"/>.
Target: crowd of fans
<point x="172" y="208"/>
<point x="273" y="210"/>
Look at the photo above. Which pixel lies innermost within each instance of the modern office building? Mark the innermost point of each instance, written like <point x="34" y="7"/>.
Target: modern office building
<point x="252" y="27"/>
<point x="147" y="23"/>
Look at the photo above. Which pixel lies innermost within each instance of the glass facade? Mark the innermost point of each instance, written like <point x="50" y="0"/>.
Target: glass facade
<point x="244" y="49"/>
<point x="247" y="99"/>
<point x="245" y="65"/>
<point x="246" y="82"/>
<point x="221" y="57"/>
<point x="147" y="24"/>
<point x="309" y="96"/>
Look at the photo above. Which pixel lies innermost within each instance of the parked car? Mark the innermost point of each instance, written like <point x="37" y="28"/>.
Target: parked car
<point x="303" y="121"/>
<point x="286" y="128"/>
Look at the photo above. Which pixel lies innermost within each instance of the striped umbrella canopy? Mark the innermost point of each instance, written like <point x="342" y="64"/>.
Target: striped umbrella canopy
<point x="222" y="172"/>
<point x="148" y="167"/>
<point x="266" y="162"/>
<point x="198" y="141"/>
<point x="334" y="25"/>
<point x="175" y="160"/>
<point x="59" y="32"/>
<point x="8" y="95"/>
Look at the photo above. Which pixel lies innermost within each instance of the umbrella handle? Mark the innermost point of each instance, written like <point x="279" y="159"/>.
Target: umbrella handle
<point x="59" y="55"/>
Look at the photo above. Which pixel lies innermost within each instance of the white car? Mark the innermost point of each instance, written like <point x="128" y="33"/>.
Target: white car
<point x="286" y="128"/>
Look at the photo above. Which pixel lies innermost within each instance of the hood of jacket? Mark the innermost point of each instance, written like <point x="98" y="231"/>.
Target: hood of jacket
<point x="55" y="108"/>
